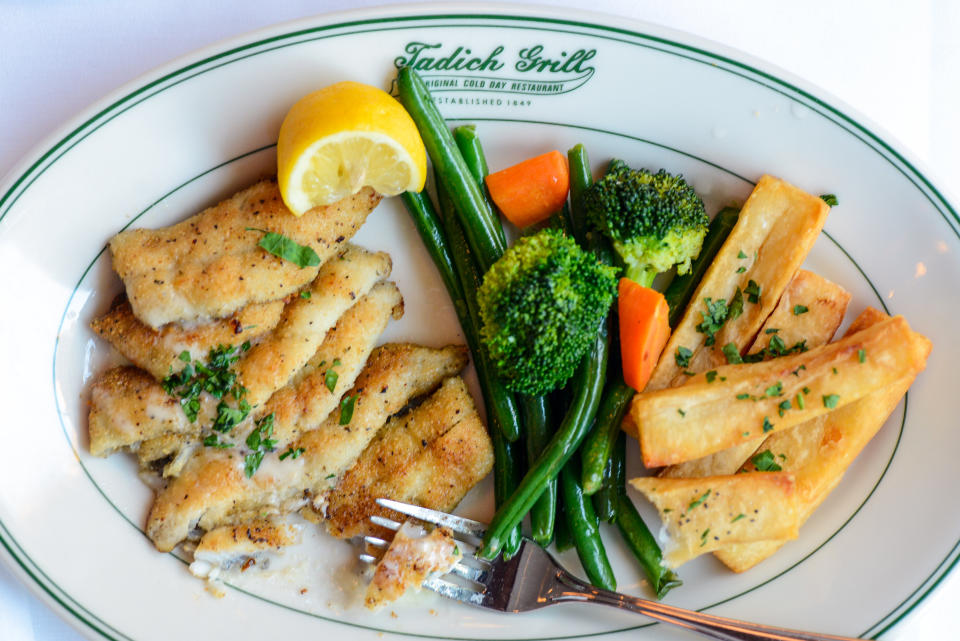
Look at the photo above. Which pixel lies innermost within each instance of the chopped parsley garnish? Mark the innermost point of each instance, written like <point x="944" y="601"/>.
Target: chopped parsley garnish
<point x="735" y="308"/>
<point x="741" y="269"/>
<point x="741" y="255"/>
<point x="347" y="404"/>
<point x="330" y="379"/>
<point x="214" y="441"/>
<point x="800" y="309"/>
<point x="703" y="537"/>
<point x="287" y="248"/>
<point x="743" y="397"/>
<point x="835" y="370"/>
<point x="830" y="199"/>
<point x="767" y="425"/>
<point x="738" y="517"/>
<point x="711" y="375"/>
<point x="732" y="353"/>
<point x="683" y="356"/>
<point x="771" y="330"/>
<point x="775" y="348"/>
<point x="305" y="295"/>
<point x="783" y="407"/>
<point x="753" y="292"/>
<point x="861" y="355"/>
<point x="292" y="453"/>
<point x="830" y="400"/>
<point x="697" y="502"/>
<point x="806" y="390"/>
<point x="260" y="443"/>
<point x="775" y="390"/>
<point x="214" y="377"/>
<point x="681" y="412"/>
<point x="796" y="372"/>
<point x="228" y="417"/>
<point x="713" y="319"/>
<point x="801" y="405"/>
<point x="765" y="461"/>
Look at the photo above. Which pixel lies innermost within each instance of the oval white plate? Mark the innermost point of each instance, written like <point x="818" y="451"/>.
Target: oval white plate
<point x="204" y="126"/>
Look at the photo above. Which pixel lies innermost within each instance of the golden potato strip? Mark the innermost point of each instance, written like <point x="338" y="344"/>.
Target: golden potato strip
<point x="437" y="452"/>
<point x="211" y="265"/>
<point x="700" y="515"/>
<point x="270" y="364"/>
<point x="826" y="303"/>
<point x="158" y="350"/>
<point x="818" y="454"/>
<point x="212" y="490"/>
<point x="741" y="402"/>
<point x="777" y="227"/>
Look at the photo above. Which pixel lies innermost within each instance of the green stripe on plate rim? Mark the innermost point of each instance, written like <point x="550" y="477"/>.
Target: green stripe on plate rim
<point x="743" y="70"/>
<point x="72" y="445"/>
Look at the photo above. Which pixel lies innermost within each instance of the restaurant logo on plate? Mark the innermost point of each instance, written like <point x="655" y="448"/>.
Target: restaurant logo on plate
<point x="533" y="70"/>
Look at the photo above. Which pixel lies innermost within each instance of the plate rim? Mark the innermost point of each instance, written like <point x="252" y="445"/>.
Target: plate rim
<point x="29" y="168"/>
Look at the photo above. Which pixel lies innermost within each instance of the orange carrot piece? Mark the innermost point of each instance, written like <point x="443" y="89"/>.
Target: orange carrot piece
<point x="644" y="330"/>
<point x="532" y="190"/>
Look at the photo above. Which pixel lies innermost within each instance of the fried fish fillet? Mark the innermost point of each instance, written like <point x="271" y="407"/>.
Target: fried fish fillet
<point x="158" y="350"/>
<point x="343" y="279"/>
<point x="412" y="558"/>
<point x="211" y="265"/>
<point x="430" y="456"/>
<point x="223" y="548"/>
<point x="128" y="409"/>
<point x="212" y="490"/>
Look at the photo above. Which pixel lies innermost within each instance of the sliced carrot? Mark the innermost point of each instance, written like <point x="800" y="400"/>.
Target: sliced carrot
<point x="532" y="190"/>
<point x="644" y="330"/>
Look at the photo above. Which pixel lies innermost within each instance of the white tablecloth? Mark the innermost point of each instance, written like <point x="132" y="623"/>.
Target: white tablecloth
<point x="896" y="62"/>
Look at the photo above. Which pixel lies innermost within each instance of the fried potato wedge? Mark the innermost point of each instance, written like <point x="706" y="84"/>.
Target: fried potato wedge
<point x="210" y="265"/>
<point x="825" y="303"/>
<point x="819" y="452"/>
<point x="778" y="225"/>
<point x="700" y="515"/>
<point x="158" y="350"/>
<point x="742" y="402"/>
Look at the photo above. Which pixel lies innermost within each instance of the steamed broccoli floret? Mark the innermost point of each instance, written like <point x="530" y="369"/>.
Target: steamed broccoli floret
<point x="655" y="221"/>
<point x="541" y="304"/>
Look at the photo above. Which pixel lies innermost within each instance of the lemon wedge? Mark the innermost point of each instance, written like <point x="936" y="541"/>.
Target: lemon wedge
<point x="342" y="138"/>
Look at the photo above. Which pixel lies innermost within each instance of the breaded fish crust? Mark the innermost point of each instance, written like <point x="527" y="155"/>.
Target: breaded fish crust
<point x="224" y="547"/>
<point x="212" y="490"/>
<point x="210" y="265"/>
<point x="430" y="456"/>
<point x="342" y="280"/>
<point x="158" y="350"/>
<point x="130" y="409"/>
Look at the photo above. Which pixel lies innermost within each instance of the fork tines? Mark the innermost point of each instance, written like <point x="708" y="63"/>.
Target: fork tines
<point x="460" y="525"/>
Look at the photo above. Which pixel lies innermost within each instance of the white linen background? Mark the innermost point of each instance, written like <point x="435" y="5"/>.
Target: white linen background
<point x="896" y="62"/>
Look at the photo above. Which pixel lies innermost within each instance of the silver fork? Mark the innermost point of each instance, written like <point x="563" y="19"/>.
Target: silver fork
<point x="532" y="580"/>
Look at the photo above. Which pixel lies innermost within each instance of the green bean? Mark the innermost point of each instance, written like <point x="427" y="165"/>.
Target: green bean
<point x="427" y="222"/>
<point x="600" y="442"/>
<point x="561" y="221"/>
<point x="564" y="539"/>
<point x="586" y="385"/>
<point x="614" y="476"/>
<point x="681" y="288"/>
<point x="537" y="423"/>
<point x="502" y="408"/>
<point x="504" y="482"/>
<point x="583" y="524"/>
<point x="580" y="180"/>
<point x="644" y="547"/>
<point x="468" y="142"/>
<point x="482" y="229"/>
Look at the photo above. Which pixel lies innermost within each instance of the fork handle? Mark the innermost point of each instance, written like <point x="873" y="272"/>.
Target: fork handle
<point x="570" y="588"/>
